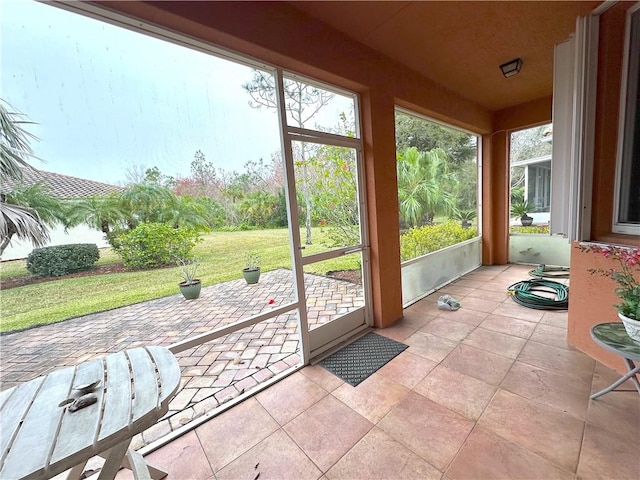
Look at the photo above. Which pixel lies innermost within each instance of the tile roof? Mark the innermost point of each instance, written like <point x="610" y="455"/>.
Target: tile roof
<point x="62" y="186"/>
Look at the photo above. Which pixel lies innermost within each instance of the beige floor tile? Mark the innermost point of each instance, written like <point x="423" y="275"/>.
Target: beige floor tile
<point x="275" y="457"/>
<point x="428" y="429"/>
<point x="557" y="319"/>
<point x="492" y="269"/>
<point x="456" y="391"/>
<point x="323" y="439"/>
<point x="407" y="369"/>
<point x="379" y="457"/>
<point x="549" y="388"/>
<point x="486" y="455"/>
<point x="417" y="316"/>
<point x="607" y="455"/>
<point x="322" y="377"/>
<point x="553" y="435"/>
<point x="424" y="306"/>
<point x="617" y="412"/>
<point x="495" y="342"/>
<point x="429" y="346"/>
<point x="499" y="296"/>
<point x="482" y="275"/>
<point x="447" y="328"/>
<point x="551" y="335"/>
<point x="464" y="315"/>
<point x="570" y="363"/>
<point x="496" y="285"/>
<point x="486" y="366"/>
<point x="512" y="309"/>
<point x="463" y="282"/>
<point x="509" y="325"/>
<point x="603" y="377"/>
<point x="235" y="431"/>
<point x="396" y="332"/>
<point x="182" y="458"/>
<point x="373" y="398"/>
<point x="290" y="397"/>
<point x="479" y="304"/>
<point x="456" y="291"/>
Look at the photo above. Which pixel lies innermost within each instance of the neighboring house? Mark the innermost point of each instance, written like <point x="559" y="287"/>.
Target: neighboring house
<point x="64" y="187"/>
<point x="537" y="187"/>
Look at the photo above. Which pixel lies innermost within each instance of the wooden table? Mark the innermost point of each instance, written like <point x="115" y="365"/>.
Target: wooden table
<point x="40" y="439"/>
<point x="614" y="338"/>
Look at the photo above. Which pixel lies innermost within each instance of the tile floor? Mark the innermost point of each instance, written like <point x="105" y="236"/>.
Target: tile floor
<point x="489" y="391"/>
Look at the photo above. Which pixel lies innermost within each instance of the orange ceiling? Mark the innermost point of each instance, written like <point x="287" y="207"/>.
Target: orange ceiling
<point x="461" y="44"/>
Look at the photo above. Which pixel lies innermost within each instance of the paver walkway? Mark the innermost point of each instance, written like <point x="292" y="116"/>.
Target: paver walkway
<point x="212" y="373"/>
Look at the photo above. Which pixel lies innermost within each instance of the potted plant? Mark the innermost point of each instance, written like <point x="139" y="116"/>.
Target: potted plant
<point x="190" y="286"/>
<point x="465" y="217"/>
<point x="251" y="271"/>
<point x="521" y="210"/>
<point x="628" y="289"/>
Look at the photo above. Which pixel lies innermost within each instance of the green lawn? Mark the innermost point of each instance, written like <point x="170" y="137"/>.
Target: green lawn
<point x="222" y="255"/>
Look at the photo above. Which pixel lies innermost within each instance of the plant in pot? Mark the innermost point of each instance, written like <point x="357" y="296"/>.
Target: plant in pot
<point x="628" y="279"/>
<point x="521" y="210"/>
<point x="251" y="271"/>
<point x="465" y="217"/>
<point x="190" y="286"/>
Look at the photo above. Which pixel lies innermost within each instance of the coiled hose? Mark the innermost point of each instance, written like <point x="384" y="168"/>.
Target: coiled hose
<point x="544" y="271"/>
<point x="523" y="294"/>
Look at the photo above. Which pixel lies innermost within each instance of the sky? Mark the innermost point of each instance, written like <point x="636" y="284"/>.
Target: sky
<point x="106" y="100"/>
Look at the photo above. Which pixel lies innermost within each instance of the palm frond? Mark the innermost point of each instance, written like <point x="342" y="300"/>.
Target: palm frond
<point x="24" y="223"/>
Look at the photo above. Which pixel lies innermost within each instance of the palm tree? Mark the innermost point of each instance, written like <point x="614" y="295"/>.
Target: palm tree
<point x="19" y="220"/>
<point x="145" y="201"/>
<point x="425" y="186"/>
<point x="101" y="213"/>
<point x="183" y="211"/>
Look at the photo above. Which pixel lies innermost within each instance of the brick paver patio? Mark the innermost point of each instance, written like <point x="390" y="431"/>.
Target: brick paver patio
<point x="212" y="373"/>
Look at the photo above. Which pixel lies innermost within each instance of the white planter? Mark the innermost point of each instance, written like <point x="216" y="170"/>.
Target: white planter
<point x="631" y="326"/>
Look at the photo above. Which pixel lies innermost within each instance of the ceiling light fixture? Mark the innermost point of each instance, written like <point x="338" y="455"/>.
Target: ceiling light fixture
<point x="512" y="67"/>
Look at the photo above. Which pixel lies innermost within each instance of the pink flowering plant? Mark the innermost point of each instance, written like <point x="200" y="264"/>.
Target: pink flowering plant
<point x="628" y="289"/>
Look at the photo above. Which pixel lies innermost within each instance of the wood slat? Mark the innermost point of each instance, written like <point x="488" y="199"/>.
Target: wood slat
<point x="13" y="409"/>
<point x="117" y="400"/>
<point x="79" y="428"/>
<point x="30" y="449"/>
<point x="169" y="371"/>
<point x="145" y="383"/>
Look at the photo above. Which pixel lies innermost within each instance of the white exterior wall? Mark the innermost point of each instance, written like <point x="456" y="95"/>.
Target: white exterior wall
<point x="81" y="234"/>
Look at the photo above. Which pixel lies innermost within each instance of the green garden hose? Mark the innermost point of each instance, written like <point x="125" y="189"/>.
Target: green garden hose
<point x="523" y="293"/>
<point x="544" y="271"/>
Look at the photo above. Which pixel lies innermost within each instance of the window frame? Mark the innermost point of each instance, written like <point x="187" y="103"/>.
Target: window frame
<point x="625" y="125"/>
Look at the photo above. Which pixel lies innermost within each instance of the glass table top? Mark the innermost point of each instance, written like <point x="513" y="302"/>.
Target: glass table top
<point x="613" y="336"/>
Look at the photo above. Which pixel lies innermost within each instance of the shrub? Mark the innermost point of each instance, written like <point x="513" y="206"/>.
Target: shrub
<point x="422" y="240"/>
<point x="62" y="259"/>
<point x="154" y="245"/>
<point x="540" y="229"/>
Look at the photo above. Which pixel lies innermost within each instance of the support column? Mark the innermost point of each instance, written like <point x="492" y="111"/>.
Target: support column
<point x="495" y="199"/>
<point x="378" y="119"/>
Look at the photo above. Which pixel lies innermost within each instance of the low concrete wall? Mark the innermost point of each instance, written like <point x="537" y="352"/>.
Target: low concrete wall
<point x="81" y="234"/>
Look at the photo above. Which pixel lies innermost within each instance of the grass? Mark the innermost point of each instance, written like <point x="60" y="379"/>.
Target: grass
<point x="222" y="255"/>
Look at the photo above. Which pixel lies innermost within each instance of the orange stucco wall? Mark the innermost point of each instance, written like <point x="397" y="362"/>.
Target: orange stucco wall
<point x="591" y="301"/>
<point x="276" y="33"/>
<point x="592" y="297"/>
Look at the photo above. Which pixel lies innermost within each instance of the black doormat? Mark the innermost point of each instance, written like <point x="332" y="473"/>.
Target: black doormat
<point x="355" y="362"/>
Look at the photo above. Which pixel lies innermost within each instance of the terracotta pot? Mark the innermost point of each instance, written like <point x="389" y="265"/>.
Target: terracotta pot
<point x="631" y="326"/>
